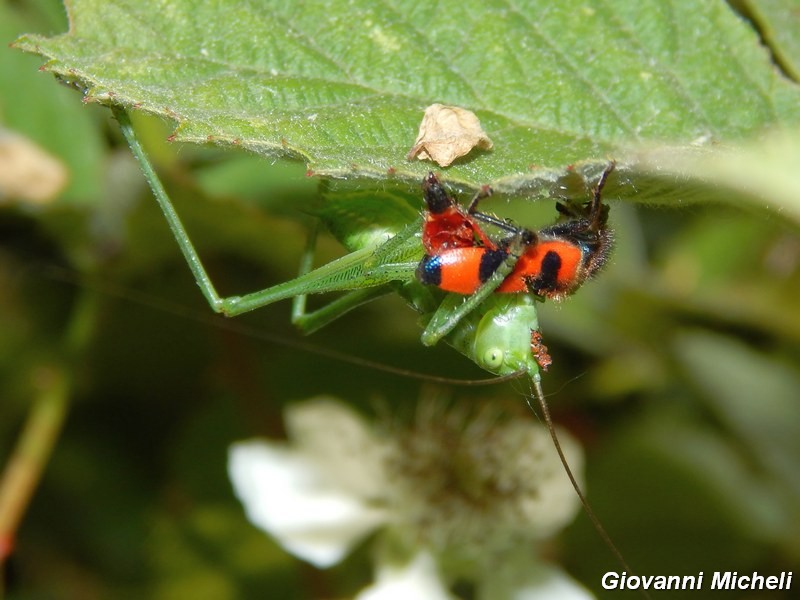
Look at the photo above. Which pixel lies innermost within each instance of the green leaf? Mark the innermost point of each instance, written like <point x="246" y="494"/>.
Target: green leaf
<point x="761" y="173"/>
<point x="343" y="85"/>
<point x="667" y="477"/>
<point x="754" y="395"/>
<point x="779" y="21"/>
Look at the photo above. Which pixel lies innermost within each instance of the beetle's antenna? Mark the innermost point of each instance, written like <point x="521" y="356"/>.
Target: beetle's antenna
<point x="596" y="211"/>
<point x="538" y="394"/>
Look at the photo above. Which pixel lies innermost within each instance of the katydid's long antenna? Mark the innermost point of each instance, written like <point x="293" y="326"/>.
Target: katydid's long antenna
<point x="184" y="312"/>
<point x="538" y="393"/>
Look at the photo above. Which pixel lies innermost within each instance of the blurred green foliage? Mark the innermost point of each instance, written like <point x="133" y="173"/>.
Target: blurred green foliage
<point x="679" y="368"/>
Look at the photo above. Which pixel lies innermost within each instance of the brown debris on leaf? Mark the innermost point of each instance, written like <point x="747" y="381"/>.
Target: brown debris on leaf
<point x="447" y="133"/>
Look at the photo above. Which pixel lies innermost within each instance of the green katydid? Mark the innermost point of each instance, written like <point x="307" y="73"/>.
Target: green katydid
<point x="492" y="329"/>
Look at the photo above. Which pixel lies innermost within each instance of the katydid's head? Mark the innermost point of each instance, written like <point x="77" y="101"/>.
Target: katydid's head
<point x="499" y="335"/>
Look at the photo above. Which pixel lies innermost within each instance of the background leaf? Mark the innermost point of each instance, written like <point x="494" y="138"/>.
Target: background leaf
<point x="779" y="21"/>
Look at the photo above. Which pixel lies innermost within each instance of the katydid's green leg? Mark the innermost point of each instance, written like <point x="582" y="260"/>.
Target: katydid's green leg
<point x="447" y="316"/>
<point x="343" y="274"/>
<point x="178" y="230"/>
<point x="310" y="322"/>
<point x="299" y="302"/>
<point x="347" y="273"/>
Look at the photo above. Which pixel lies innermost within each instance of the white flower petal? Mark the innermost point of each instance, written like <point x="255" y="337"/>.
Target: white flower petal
<point x="417" y="579"/>
<point x="532" y="581"/>
<point x="341" y="441"/>
<point x="298" y="503"/>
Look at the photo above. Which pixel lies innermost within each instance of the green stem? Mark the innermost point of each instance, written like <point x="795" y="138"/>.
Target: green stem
<point x="52" y="385"/>
<point x="24" y="469"/>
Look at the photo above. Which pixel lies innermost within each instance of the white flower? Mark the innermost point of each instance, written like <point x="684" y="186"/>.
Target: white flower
<point x="315" y="498"/>
<point x="457" y="496"/>
<point x="419" y="578"/>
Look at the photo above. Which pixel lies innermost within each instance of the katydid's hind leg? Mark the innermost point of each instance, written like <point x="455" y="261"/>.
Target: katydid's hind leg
<point x="346" y="273"/>
<point x="306" y="264"/>
<point x="215" y="301"/>
<point x="308" y="322"/>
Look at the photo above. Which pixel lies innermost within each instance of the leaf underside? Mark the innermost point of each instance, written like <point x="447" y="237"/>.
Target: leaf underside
<point x="343" y="85"/>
